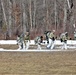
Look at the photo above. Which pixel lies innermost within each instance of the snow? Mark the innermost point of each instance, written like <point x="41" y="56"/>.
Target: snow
<point x="34" y="50"/>
<point x="57" y="42"/>
<point x="8" y="42"/>
<point x="71" y="45"/>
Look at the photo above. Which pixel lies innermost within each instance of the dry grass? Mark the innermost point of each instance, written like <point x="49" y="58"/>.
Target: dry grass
<point x="9" y="46"/>
<point x="46" y="63"/>
<point x="38" y="63"/>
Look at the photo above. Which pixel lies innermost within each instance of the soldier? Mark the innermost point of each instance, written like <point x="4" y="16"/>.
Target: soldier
<point x="75" y="34"/>
<point x="47" y="34"/>
<point x="63" y="38"/>
<point x="26" y="40"/>
<point x="51" y="37"/>
<point x="20" y="41"/>
<point x="38" y="40"/>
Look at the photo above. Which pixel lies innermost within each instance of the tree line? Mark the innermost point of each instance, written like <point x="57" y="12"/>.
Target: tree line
<point x="36" y="16"/>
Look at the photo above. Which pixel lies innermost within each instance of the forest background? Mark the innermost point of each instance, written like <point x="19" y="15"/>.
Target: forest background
<point x="36" y="16"/>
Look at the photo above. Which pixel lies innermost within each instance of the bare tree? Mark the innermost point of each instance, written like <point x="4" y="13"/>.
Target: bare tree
<point x="44" y="6"/>
<point x="69" y="4"/>
<point x="30" y="13"/>
<point x="65" y="16"/>
<point x="24" y="17"/>
<point x="44" y="3"/>
<point x="10" y="18"/>
<point x="55" y="15"/>
<point x="47" y="16"/>
<point x="14" y="6"/>
<point x="34" y="18"/>
<point x="4" y="14"/>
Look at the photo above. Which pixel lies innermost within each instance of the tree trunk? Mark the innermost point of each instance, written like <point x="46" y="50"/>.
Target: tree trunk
<point x="24" y="18"/>
<point x="68" y="4"/>
<point x="34" y="19"/>
<point x="14" y="6"/>
<point x="30" y="13"/>
<point x="5" y="19"/>
<point x="44" y="3"/>
<point x="65" y="16"/>
<point x="47" y="16"/>
<point x="55" y="15"/>
<point x="10" y="18"/>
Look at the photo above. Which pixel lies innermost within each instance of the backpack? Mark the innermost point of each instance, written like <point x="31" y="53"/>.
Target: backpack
<point x="37" y="40"/>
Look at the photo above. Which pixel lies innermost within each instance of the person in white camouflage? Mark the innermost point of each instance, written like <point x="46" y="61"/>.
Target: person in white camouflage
<point x="27" y="40"/>
<point x="75" y="34"/>
<point x="51" y="37"/>
<point x="38" y="40"/>
<point x="63" y="38"/>
<point x="20" y="42"/>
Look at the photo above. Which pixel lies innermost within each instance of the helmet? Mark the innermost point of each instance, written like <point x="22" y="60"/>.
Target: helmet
<point x="53" y="30"/>
<point x="66" y="32"/>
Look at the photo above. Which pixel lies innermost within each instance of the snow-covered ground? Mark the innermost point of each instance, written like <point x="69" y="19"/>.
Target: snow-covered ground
<point x="8" y="42"/>
<point x="57" y="42"/>
<point x="4" y="50"/>
<point x="71" y="45"/>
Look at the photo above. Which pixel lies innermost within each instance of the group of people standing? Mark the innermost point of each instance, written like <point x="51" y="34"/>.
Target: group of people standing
<point x="52" y="38"/>
<point x="23" y="40"/>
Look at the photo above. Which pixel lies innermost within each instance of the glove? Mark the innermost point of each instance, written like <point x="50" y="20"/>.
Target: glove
<point x="61" y="40"/>
<point x="53" y="38"/>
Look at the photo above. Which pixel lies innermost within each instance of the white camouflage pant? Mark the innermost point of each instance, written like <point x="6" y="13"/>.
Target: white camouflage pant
<point x="64" y="45"/>
<point x="26" y="44"/>
<point x="20" y="46"/>
<point x="51" y="44"/>
<point x="38" y="47"/>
